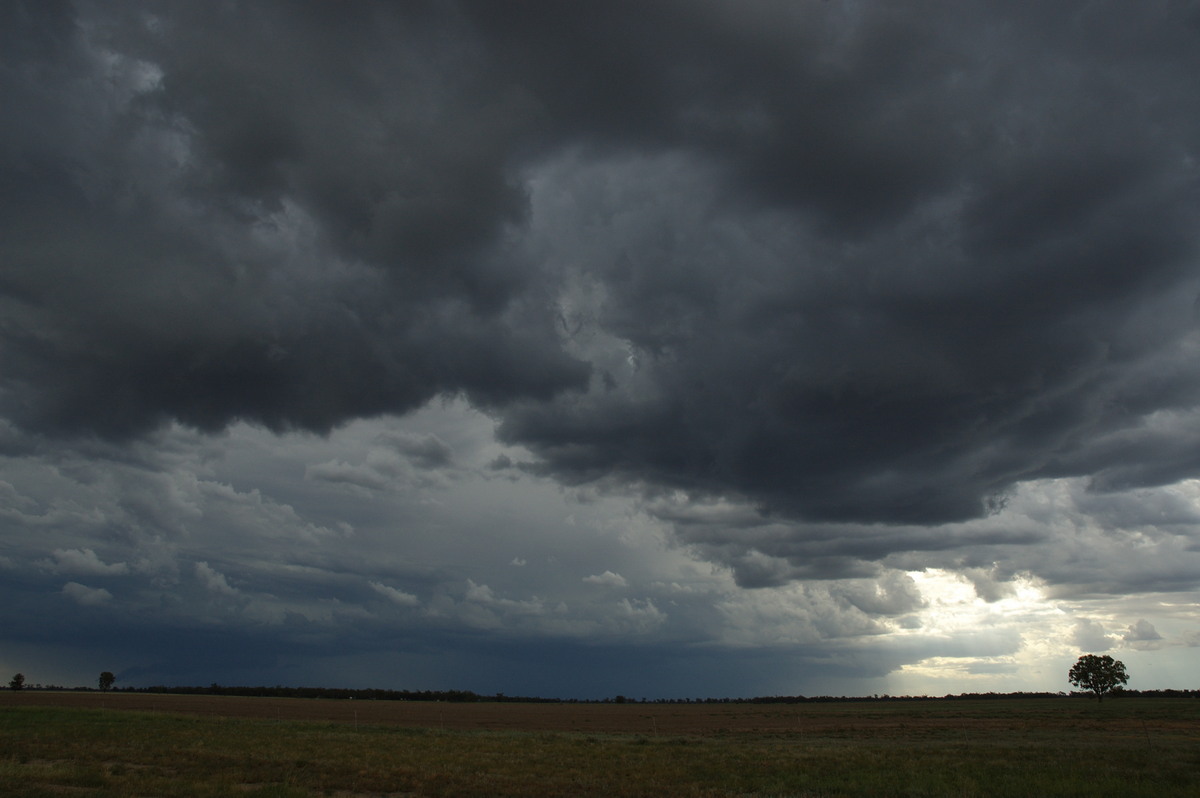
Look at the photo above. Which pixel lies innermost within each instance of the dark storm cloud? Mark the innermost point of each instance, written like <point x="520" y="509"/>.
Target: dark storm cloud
<point x="973" y="264"/>
<point x="280" y="214"/>
<point x="854" y="263"/>
<point x="765" y="553"/>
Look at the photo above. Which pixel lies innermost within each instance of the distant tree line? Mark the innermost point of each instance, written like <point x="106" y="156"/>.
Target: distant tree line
<point x="465" y="696"/>
<point x="367" y="694"/>
<point x="107" y="680"/>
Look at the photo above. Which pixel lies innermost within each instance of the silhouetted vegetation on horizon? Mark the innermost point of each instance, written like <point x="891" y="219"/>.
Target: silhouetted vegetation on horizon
<point x="468" y="696"/>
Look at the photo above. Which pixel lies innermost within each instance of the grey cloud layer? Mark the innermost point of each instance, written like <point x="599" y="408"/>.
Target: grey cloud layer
<point x="843" y="263"/>
<point x="168" y="551"/>
<point x="251" y="558"/>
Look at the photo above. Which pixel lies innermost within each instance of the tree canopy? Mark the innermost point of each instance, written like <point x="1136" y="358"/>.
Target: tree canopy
<point x="1099" y="674"/>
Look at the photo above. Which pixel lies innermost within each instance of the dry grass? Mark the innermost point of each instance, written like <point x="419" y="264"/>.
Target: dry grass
<point x="995" y="748"/>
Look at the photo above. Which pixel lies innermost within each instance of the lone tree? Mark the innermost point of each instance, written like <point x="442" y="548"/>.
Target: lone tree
<point x="106" y="680"/>
<point x="1100" y="674"/>
<point x="16" y="682"/>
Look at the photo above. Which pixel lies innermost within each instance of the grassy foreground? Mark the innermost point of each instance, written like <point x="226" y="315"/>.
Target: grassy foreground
<point x="1131" y="747"/>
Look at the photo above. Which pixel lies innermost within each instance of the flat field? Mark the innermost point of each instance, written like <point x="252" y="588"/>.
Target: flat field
<point x="118" y="744"/>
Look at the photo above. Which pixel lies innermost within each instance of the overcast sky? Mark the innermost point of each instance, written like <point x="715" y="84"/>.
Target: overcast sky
<point x="661" y="349"/>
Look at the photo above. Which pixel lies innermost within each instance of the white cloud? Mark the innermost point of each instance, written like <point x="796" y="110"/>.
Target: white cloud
<point x="640" y="616"/>
<point x="84" y="561"/>
<point x="257" y="513"/>
<point x="87" y="596"/>
<point x="213" y="580"/>
<point x="482" y="594"/>
<point x="606" y="579"/>
<point x="341" y="472"/>
<point x="1091" y="636"/>
<point x="1143" y="636"/>
<point x="394" y="595"/>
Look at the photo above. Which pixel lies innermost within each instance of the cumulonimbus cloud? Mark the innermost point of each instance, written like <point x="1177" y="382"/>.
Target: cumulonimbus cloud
<point x="868" y="268"/>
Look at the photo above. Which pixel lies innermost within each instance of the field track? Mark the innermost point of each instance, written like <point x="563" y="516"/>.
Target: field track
<point x="862" y="719"/>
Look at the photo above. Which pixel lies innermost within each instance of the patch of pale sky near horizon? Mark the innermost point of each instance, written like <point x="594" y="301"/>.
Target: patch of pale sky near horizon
<point x="1048" y="634"/>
